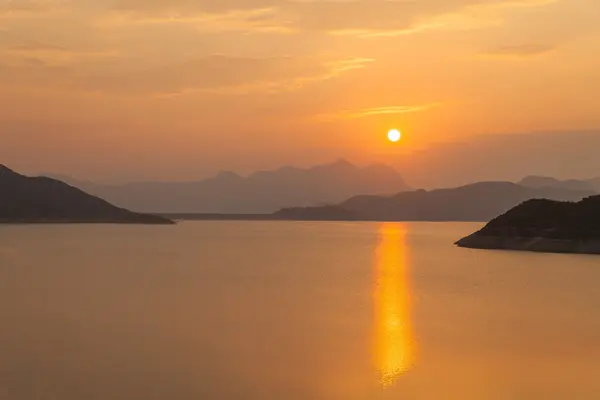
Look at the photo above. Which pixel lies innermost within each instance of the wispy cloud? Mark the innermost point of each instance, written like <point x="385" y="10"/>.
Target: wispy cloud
<point x="471" y="15"/>
<point x="183" y="7"/>
<point x="340" y="66"/>
<point x="326" y="71"/>
<point x="44" y="50"/>
<point x="448" y="22"/>
<point x="259" y="20"/>
<point x="37" y="54"/>
<point x="31" y="8"/>
<point x="371" y="112"/>
<point x="522" y="50"/>
<point x="358" y="18"/>
<point x="215" y="74"/>
<point x="38" y="46"/>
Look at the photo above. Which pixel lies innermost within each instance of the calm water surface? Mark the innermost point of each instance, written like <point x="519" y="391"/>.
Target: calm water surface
<point x="291" y="311"/>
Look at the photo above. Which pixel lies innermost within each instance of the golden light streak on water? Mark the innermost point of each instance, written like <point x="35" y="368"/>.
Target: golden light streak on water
<point x="394" y="345"/>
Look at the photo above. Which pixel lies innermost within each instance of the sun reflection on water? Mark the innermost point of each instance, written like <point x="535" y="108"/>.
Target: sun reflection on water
<point x="394" y="346"/>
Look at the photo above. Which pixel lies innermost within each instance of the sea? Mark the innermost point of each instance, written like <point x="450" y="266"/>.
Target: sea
<point x="291" y="311"/>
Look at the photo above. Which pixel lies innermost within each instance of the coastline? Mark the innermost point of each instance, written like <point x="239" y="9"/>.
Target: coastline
<point x="531" y="244"/>
<point x="153" y="220"/>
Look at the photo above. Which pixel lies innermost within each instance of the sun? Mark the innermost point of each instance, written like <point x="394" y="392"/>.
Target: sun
<point x="394" y="135"/>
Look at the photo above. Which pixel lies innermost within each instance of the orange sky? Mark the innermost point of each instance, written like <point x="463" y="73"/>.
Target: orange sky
<point x="177" y="89"/>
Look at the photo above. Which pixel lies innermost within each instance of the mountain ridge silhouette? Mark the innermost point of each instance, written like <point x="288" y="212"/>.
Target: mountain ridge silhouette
<point x="42" y="199"/>
<point x="261" y="192"/>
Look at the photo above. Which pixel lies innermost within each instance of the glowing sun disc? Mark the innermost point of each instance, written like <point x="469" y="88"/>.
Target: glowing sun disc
<point x="394" y="135"/>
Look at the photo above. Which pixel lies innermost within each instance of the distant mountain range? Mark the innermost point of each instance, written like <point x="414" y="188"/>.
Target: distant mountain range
<point x="336" y="191"/>
<point x="46" y="200"/>
<point x="261" y="192"/>
<point x="571" y="184"/>
<point x="477" y="202"/>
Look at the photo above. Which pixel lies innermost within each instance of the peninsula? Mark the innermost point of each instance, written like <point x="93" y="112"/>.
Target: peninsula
<point x="543" y="226"/>
<point x="44" y="200"/>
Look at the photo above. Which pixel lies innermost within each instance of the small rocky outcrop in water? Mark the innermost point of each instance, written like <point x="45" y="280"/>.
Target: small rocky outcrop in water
<point x="45" y="200"/>
<point x="543" y="226"/>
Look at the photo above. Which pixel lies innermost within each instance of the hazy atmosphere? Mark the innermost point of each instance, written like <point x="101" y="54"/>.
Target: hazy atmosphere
<point x="299" y="199"/>
<point x="177" y="90"/>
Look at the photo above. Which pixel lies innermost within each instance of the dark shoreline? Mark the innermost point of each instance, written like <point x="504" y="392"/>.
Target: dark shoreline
<point x="83" y="222"/>
<point x="535" y="244"/>
<point x="217" y="217"/>
<point x="274" y="217"/>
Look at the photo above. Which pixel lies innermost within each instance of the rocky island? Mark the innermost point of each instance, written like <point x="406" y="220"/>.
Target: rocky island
<point x="44" y="200"/>
<point x="543" y="226"/>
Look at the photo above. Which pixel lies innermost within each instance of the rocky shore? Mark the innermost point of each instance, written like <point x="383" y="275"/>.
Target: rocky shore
<point x="543" y="226"/>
